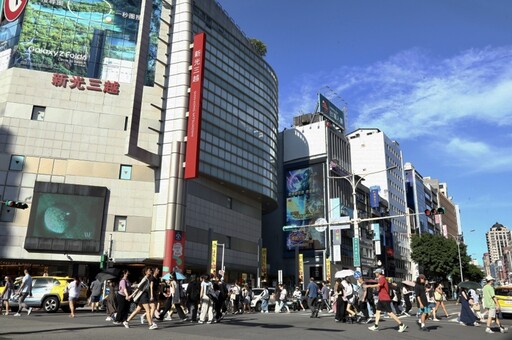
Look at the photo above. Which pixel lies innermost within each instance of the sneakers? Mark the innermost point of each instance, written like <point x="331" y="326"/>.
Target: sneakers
<point x="435" y="319"/>
<point x="374" y="328"/>
<point x="116" y="323"/>
<point x="503" y="329"/>
<point x="17" y="314"/>
<point x="126" y="324"/>
<point x="200" y="322"/>
<point x="402" y="328"/>
<point x="142" y="319"/>
<point x="488" y="330"/>
<point x="153" y="326"/>
<point x="108" y="318"/>
<point x="168" y="318"/>
<point x="29" y="311"/>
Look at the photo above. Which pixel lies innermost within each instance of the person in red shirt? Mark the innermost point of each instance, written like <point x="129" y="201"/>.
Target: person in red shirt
<point x="384" y="303"/>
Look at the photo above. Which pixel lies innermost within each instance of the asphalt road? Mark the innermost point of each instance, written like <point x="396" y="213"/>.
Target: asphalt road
<point x="249" y="326"/>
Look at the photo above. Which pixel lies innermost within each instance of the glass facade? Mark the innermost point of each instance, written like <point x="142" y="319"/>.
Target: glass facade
<point x="240" y="107"/>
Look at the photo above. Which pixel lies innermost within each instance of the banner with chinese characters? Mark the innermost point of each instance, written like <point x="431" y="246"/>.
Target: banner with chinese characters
<point x="264" y="263"/>
<point x="328" y="269"/>
<point x="195" y="105"/>
<point x="213" y="261"/>
<point x="174" y="253"/>
<point x="301" y="268"/>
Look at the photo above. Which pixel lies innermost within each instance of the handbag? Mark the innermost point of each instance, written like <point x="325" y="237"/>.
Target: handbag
<point x="476" y="307"/>
<point x="211" y="293"/>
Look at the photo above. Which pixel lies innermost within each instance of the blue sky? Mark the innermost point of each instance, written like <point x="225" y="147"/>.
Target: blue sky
<point x="434" y="75"/>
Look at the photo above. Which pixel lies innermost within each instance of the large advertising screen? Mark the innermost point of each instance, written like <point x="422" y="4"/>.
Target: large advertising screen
<point x="305" y="203"/>
<point x="89" y="38"/>
<point x="66" y="218"/>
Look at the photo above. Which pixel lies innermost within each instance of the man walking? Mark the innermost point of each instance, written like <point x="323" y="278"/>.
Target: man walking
<point x="24" y="291"/>
<point x="384" y="303"/>
<point x="491" y="305"/>
<point x="422" y="301"/>
<point x="312" y="294"/>
<point x="96" y="290"/>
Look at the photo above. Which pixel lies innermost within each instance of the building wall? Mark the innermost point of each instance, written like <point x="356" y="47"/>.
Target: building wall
<point x="86" y="136"/>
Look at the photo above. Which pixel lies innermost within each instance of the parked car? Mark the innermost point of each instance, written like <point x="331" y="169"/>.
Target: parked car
<point x="48" y="293"/>
<point x="504" y="296"/>
<point x="256" y="300"/>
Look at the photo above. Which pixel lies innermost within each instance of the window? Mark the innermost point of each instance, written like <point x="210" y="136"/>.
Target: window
<point x="17" y="163"/>
<point x="125" y="172"/>
<point x="38" y="112"/>
<point x="120" y="223"/>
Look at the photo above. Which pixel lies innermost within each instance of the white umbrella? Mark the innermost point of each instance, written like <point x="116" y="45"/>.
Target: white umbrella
<point x="344" y="273"/>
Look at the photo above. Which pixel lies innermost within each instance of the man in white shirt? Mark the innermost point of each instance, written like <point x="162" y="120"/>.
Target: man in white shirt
<point x="24" y="291"/>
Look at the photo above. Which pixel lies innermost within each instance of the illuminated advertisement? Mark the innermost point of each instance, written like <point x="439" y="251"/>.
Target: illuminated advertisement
<point x="89" y="38"/>
<point x="304" y="205"/>
<point x="66" y="218"/>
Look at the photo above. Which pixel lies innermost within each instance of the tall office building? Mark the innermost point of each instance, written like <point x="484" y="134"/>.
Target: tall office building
<point x="372" y="153"/>
<point x="142" y="130"/>
<point x="498" y="238"/>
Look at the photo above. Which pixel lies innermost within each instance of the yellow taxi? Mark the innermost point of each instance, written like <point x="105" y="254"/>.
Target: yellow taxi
<point x="504" y="296"/>
<point x="48" y="293"/>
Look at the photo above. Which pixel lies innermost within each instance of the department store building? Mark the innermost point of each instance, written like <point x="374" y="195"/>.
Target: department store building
<point x="138" y="131"/>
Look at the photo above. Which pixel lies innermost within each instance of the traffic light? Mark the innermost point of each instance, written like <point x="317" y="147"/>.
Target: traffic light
<point x="16" y="204"/>
<point x="438" y="211"/>
<point x="103" y="262"/>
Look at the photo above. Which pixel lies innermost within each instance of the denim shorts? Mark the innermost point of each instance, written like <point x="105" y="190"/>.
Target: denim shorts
<point x="424" y="310"/>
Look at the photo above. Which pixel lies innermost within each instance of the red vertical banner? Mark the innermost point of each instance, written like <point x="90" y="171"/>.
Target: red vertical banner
<point x="195" y="102"/>
<point x="174" y="258"/>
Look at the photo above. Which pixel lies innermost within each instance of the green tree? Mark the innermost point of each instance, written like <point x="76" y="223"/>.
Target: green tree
<point x="438" y="256"/>
<point x="260" y="46"/>
<point x="473" y="273"/>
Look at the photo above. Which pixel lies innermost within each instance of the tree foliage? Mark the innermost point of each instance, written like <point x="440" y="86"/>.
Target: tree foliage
<point x="438" y="257"/>
<point x="260" y="46"/>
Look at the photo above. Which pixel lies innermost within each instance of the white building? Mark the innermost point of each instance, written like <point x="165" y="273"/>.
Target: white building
<point x="372" y="152"/>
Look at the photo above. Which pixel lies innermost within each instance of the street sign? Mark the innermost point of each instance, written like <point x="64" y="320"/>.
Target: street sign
<point x="342" y="222"/>
<point x="322" y="224"/>
<point x="355" y="246"/>
<point x="14" y="8"/>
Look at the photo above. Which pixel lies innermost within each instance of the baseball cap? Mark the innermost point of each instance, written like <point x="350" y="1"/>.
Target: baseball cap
<point x="489" y="278"/>
<point x="378" y="271"/>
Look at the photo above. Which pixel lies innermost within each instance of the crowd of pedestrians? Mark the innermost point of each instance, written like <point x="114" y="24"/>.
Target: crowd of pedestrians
<point x="208" y="299"/>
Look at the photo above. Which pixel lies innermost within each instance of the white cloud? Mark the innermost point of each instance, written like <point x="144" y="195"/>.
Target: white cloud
<point x="413" y="96"/>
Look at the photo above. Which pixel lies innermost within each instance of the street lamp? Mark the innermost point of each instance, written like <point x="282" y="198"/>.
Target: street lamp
<point x="457" y="240"/>
<point x="351" y="178"/>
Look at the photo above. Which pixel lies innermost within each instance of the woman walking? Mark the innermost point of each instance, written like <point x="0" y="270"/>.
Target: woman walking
<point x="340" y="303"/>
<point x="206" y="302"/>
<point x="466" y="317"/>
<point x="123" y="299"/>
<point x="6" y="295"/>
<point x="143" y="295"/>
<point x="439" y="299"/>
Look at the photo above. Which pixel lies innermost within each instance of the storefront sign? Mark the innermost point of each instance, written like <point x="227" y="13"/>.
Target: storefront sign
<point x="82" y="83"/>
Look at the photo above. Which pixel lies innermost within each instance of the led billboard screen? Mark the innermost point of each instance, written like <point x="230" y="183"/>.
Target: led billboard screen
<point x="66" y="218"/>
<point x="304" y="205"/>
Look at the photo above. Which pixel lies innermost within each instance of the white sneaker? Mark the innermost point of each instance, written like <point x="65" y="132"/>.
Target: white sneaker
<point x="168" y="318"/>
<point x="29" y="311"/>
<point x="503" y="329"/>
<point x="108" y="318"/>
<point x="17" y="314"/>
<point x="402" y="328"/>
<point x="488" y="330"/>
<point x="374" y="328"/>
<point x="153" y="326"/>
<point x="126" y="324"/>
<point x="142" y="318"/>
